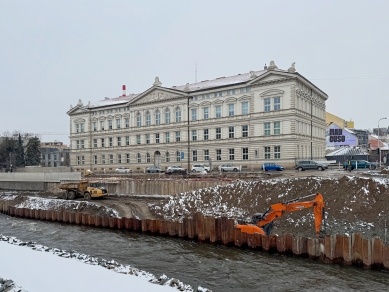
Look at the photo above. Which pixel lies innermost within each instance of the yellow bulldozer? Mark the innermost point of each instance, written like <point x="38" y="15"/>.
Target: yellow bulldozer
<point x="86" y="189"/>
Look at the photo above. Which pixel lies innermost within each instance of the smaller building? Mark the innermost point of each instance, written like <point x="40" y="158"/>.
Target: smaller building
<point x="363" y="137"/>
<point x="348" y="153"/>
<point x="330" y="118"/>
<point x="55" y="154"/>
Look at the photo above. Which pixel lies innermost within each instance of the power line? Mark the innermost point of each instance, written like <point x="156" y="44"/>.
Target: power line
<point x="352" y="77"/>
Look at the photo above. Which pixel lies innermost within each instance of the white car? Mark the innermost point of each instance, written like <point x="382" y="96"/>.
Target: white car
<point x="228" y="167"/>
<point x="175" y="169"/>
<point x="123" y="170"/>
<point x="200" y="168"/>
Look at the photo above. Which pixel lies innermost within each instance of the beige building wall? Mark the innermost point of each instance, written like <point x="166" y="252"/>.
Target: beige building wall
<point x="280" y="135"/>
<point x="330" y="118"/>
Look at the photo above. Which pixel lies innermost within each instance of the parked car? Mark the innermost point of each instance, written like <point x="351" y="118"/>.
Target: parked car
<point x="200" y="168"/>
<point x="272" y="166"/>
<point x="152" y="169"/>
<point x="123" y="170"/>
<point x="175" y="169"/>
<point x="360" y="164"/>
<point x="228" y="167"/>
<point x="309" y="164"/>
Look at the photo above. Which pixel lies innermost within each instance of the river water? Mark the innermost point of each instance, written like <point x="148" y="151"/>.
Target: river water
<point x="215" y="267"/>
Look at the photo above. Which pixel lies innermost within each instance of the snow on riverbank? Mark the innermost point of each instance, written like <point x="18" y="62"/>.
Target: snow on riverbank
<point x="40" y="268"/>
<point x="56" y="204"/>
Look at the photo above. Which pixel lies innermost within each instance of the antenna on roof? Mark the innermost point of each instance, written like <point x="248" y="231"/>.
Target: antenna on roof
<point x="124" y="90"/>
<point x="196" y="73"/>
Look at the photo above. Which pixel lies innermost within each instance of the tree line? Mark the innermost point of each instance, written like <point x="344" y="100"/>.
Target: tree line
<point x="17" y="151"/>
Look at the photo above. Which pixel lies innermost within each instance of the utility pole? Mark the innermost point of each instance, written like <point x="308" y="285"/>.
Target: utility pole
<point x="311" y="123"/>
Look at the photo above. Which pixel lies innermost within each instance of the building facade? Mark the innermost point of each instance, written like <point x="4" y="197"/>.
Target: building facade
<point x="54" y="154"/>
<point x="246" y="119"/>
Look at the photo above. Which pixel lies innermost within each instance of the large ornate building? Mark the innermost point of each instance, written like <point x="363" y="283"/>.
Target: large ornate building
<point x="270" y="115"/>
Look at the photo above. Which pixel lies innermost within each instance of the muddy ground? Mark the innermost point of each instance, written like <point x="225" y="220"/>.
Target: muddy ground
<point x="356" y="202"/>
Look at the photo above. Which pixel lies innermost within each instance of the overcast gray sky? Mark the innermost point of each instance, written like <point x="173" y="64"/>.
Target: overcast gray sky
<point x="53" y="53"/>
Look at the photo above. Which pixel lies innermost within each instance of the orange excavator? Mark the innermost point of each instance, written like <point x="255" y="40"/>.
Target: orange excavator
<point x="262" y="223"/>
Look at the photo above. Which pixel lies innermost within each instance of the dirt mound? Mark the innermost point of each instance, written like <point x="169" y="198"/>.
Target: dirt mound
<point x="353" y="204"/>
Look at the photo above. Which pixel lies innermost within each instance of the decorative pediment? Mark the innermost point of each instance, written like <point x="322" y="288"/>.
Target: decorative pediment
<point x="244" y="97"/>
<point x="218" y="101"/>
<point x="230" y="100"/>
<point x="205" y="103"/>
<point x="272" y="92"/>
<point x="79" y="120"/>
<point x="76" y="110"/>
<point x="155" y="95"/>
<point x="271" y="77"/>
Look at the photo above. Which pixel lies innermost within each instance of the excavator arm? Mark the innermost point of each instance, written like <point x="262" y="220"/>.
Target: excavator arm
<point x="277" y="210"/>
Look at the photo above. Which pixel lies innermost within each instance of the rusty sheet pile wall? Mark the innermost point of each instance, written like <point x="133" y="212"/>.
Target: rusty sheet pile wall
<point x="339" y="249"/>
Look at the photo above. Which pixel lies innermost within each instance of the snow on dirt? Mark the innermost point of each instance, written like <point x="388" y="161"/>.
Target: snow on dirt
<point x="352" y="204"/>
<point x="21" y="201"/>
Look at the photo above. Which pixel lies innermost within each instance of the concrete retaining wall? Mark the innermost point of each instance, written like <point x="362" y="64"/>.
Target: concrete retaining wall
<point x="356" y="250"/>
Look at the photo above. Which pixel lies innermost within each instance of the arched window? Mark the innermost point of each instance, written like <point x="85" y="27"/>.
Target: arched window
<point x="167" y="157"/>
<point x="178" y="115"/>
<point x="139" y="120"/>
<point x="178" y="156"/>
<point x="148" y="157"/>
<point x="139" y="158"/>
<point x="167" y="116"/>
<point x="148" y="118"/>
<point x="157" y="117"/>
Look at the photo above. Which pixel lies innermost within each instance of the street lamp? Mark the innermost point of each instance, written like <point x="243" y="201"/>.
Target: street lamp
<point x="378" y="135"/>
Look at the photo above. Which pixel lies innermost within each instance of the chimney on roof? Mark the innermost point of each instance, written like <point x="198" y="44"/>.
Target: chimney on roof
<point x="265" y="67"/>
<point x="124" y="90"/>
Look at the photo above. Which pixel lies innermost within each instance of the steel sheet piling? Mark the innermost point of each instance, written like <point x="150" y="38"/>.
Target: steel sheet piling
<point x="311" y="248"/>
<point x="145" y="225"/>
<point x="183" y="228"/>
<point x="257" y="241"/>
<point x="338" y="249"/>
<point x="78" y="218"/>
<point x="377" y="254"/>
<point x="112" y="222"/>
<point x="191" y="228"/>
<point x="385" y="256"/>
<point x="280" y="241"/>
<point x="84" y="219"/>
<point x="288" y="244"/>
<point x="98" y="221"/>
<point x="104" y="221"/>
<point x="366" y="252"/>
<point x="357" y="249"/>
<point x="347" y="248"/>
<point x="119" y="222"/>
<point x="72" y="217"/>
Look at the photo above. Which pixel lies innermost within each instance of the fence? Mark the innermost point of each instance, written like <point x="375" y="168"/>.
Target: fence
<point x="339" y="249"/>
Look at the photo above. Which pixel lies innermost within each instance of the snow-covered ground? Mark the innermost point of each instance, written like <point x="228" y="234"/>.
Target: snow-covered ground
<point x="37" y="268"/>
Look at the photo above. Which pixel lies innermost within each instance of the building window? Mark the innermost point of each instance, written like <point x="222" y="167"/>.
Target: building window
<point x="103" y="159"/>
<point x="102" y="142"/>
<point x="157" y="118"/>
<point x="194" y="114"/>
<point x="277" y="128"/>
<point x="78" y="160"/>
<point x="138" y="120"/>
<point x="218" y="154"/>
<point x="277" y="103"/>
<point x="231" y="110"/>
<point x="119" y="141"/>
<point x="194" y="155"/>
<point x="206" y="134"/>
<point x="218" y="110"/>
<point x="228" y="92"/>
<point x="206" y="113"/>
<point x="245" y="131"/>
<point x="102" y="125"/>
<point x="267" y="104"/>
<point x="157" y="138"/>
<point x="138" y="139"/>
<point x="94" y="126"/>
<point x="148" y="119"/>
<point x="82" y="144"/>
<point x="178" y="136"/>
<point x="127" y="140"/>
<point x="117" y="123"/>
<point x="147" y="138"/>
<point x="119" y="158"/>
<point x="110" y="142"/>
<point x="231" y="154"/>
<point x="194" y="135"/>
<point x="218" y="133"/>
<point x="167" y="116"/>
<point x="167" y="137"/>
<point x="127" y="157"/>
<point x="178" y="115"/>
<point x="139" y="158"/>
<point x="111" y="158"/>
<point x="77" y="128"/>
<point x="167" y="157"/>
<point x="148" y="159"/>
<point x="78" y="144"/>
<point x="82" y="127"/>
<point x="231" y="131"/>
<point x="94" y="159"/>
<point x="267" y="152"/>
<point x="206" y="155"/>
<point x="245" y="108"/>
<point x="127" y="121"/>
<point x="94" y="143"/>
<point x="267" y="129"/>
<point x="245" y="153"/>
<point x="277" y="152"/>
<point x="110" y="124"/>
<point x="178" y="156"/>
